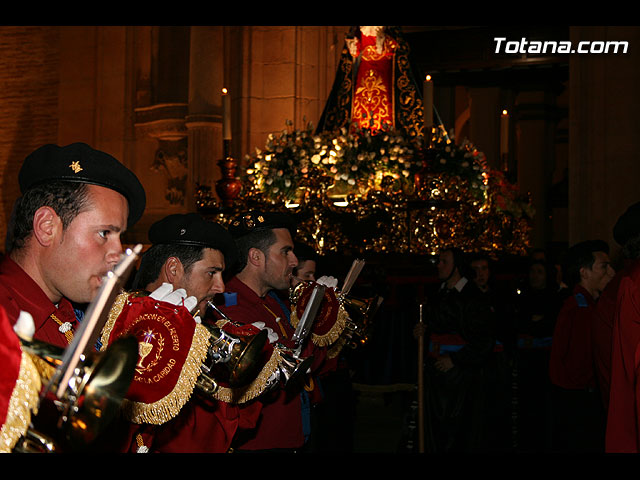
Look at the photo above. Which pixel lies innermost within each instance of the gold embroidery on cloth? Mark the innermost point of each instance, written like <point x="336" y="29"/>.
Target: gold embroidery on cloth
<point x="334" y="332"/>
<point x="114" y="313"/>
<point x="24" y="400"/>
<point x="256" y="387"/>
<point x="165" y="409"/>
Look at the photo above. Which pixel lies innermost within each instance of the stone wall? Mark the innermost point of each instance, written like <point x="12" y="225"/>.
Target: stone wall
<point x="29" y="65"/>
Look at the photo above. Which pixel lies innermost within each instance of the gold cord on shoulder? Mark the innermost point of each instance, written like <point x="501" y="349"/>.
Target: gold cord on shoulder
<point x="67" y="333"/>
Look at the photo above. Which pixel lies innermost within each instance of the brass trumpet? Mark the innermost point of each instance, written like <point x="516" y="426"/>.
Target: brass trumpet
<point x="91" y="399"/>
<point x="291" y="368"/>
<point x="239" y="354"/>
<point x="245" y="354"/>
<point x="361" y="312"/>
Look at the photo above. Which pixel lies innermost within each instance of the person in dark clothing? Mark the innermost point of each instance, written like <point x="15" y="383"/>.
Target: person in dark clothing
<point x="481" y="272"/>
<point x="459" y="323"/>
<point x="537" y="303"/>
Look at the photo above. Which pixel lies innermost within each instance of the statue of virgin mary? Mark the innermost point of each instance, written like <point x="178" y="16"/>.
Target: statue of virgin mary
<point x="375" y="86"/>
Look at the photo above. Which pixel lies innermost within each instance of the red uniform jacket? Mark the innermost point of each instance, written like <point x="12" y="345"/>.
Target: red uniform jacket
<point x="601" y="332"/>
<point x="19" y="292"/>
<point x="571" y="361"/>
<point x="280" y="423"/>
<point x="622" y="418"/>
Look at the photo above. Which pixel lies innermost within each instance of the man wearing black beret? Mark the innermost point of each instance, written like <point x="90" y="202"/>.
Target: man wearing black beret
<point x="189" y="252"/>
<point x="266" y="260"/>
<point x="65" y="234"/>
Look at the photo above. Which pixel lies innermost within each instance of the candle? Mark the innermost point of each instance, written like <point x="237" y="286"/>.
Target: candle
<point x="226" y="115"/>
<point x="428" y="105"/>
<point x="504" y="133"/>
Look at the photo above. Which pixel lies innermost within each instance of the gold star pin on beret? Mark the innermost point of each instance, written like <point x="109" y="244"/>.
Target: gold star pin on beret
<point x="75" y="166"/>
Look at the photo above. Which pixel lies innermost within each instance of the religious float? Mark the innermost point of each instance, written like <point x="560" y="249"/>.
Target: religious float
<point x="379" y="173"/>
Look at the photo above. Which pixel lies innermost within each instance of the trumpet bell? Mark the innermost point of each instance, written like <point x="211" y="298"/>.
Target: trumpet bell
<point x="90" y="402"/>
<point x="293" y="369"/>
<point x="361" y="311"/>
<point x="365" y="308"/>
<point x="240" y="355"/>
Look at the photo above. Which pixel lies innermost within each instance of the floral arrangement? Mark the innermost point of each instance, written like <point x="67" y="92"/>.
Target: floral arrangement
<point x="507" y="197"/>
<point x="357" y="160"/>
<point x="379" y="191"/>
<point x="464" y="161"/>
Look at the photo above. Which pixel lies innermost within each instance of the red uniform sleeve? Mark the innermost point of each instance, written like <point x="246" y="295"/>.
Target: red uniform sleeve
<point x="622" y="421"/>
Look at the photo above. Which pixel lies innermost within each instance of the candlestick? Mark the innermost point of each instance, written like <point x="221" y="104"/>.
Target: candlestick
<point x="226" y="115"/>
<point x="504" y="140"/>
<point x="428" y="107"/>
<point x="504" y="132"/>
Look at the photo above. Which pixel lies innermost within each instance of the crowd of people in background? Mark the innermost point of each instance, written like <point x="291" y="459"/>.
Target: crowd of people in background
<point x="540" y="361"/>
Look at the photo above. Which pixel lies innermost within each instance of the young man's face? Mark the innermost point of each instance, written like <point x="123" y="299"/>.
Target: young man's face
<point x="279" y="261"/>
<point x="204" y="278"/>
<point x="445" y="264"/>
<point x="481" y="269"/>
<point x="598" y="276"/>
<point x="81" y="255"/>
<point x="306" y="271"/>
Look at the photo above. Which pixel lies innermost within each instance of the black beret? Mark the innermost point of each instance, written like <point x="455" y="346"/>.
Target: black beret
<point x="628" y="225"/>
<point x="193" y="229"/>
<point x="80" y="163"/>
<point x="304" y="252"/>
<point x="256" y="221"/>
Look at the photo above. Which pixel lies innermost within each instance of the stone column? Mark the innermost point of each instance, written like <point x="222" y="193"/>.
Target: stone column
<point x="204" y="119"/>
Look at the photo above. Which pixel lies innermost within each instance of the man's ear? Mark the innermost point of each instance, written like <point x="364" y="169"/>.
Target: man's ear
<point x="173" y="270"/>
<point x="584" y="273"/>
<point x="255" y="256"/>
<point x="46" y="225"/>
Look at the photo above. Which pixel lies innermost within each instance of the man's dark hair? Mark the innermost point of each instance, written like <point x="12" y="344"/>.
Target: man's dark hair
<point x="581" y="255"/>
<point x="303" y="252"/>
<point x="631" y="248"/>
<point x="152" y="260"/>
<point x="261" y="239"/>
<point x="459" y="261"/>
<point x="67" y="199"/>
